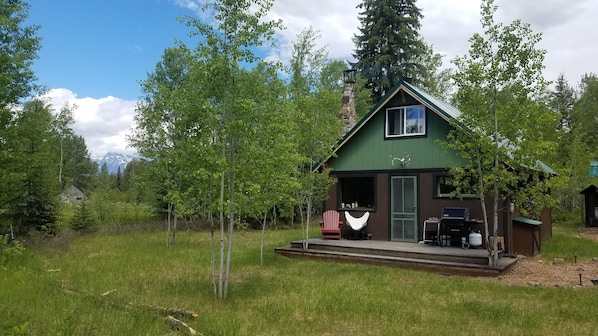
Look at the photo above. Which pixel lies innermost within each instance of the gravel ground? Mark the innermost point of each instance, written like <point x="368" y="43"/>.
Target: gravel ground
<point x="535" y="271"/>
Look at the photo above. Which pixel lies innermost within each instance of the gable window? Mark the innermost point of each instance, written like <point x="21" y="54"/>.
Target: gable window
<point x="357" y="192"/>
<point x="405" y="121"/>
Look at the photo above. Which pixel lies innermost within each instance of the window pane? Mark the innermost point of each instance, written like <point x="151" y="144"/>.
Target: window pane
<point x="409" y="190"/>
<point x="394" y="120"/>
<point x="397" y="184"/>
<point x="444" y="188"/>
<point x="415" y="120"/>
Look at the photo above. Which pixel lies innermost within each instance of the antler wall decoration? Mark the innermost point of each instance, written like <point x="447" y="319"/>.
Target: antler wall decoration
<point x="404" y="161"/>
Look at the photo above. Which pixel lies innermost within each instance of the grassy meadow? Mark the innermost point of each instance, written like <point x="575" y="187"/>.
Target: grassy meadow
<point x="56" y="287"/>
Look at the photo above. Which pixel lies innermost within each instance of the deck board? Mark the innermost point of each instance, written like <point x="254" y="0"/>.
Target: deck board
<point x="448" y="260"/>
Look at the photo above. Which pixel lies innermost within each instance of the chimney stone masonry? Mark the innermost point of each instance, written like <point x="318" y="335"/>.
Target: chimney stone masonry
<point x="347" y="114"/>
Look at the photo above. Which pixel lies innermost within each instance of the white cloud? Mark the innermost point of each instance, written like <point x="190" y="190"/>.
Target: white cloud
<point x="568" y="33"/>
<point x="194" y="6"/>
<point x="103" y="122"/>
<point x="336" y="20"/>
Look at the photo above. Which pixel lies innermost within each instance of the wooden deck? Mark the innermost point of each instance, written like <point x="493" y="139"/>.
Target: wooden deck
<point x="444" y="260"/>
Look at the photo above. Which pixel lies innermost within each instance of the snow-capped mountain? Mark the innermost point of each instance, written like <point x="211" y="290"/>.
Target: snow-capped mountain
<point x="114" y="160"/>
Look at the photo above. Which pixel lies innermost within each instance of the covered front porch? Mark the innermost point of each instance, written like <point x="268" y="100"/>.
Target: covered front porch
<point x="444" y="260"/>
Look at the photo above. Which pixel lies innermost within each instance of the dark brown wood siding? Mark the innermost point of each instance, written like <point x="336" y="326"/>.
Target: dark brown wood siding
<point x="516" y="238"/>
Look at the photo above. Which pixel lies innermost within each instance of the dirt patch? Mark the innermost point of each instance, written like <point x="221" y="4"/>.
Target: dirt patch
<point x="589" y="232"/>
<point x="538" y="272"/>
<point x="550" y="273"/>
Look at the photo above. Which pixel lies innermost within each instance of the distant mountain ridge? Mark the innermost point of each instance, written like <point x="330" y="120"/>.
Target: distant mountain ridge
<point x="114" y="160"/>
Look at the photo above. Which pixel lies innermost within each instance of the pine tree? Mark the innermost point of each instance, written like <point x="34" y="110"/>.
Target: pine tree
<point x="83" y="219"/>
<point x="32" y="190"/>
<point x="388" y="47"/>
<point x="562" y="100"/>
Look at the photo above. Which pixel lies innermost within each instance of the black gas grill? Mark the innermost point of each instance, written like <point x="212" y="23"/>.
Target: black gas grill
<point x="454" y="226"/>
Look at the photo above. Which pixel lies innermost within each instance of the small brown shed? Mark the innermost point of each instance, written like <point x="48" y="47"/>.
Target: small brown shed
<point x="591" y="205"/>
<point x="528" y="233"/>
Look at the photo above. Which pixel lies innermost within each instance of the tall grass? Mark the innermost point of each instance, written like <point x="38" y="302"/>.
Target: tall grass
<point x="105" y="214"/>
<point x="567" y="244"/>
<point x="283" y="297"/>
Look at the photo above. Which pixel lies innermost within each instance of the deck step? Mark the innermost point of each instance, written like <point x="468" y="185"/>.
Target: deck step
<point x="435" y="253"/>
<point x="413" y="261"/>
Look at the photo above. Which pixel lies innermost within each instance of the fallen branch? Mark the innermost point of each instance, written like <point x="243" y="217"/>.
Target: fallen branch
<point x="177" y="324"/>
<point x="109" y="292"/>
<point x="172" y="311"/>
<point x="64" y="286"/>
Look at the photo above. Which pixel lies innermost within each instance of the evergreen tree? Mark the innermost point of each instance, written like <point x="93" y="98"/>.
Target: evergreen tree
<point x="562" y="100"/>
<point x="388" y="47"/>
<point x="18" y="50"/>
<point x="33" y="187"/>
<point x="119" y="179"/>
<point x="83" y="218"/>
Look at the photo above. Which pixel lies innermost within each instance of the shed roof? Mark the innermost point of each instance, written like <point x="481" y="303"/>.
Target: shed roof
<point x="528" y="221"/>
<point x="591" y="189"/>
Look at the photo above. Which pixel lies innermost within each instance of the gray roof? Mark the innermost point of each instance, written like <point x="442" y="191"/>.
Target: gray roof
<point x="442" y="108"/>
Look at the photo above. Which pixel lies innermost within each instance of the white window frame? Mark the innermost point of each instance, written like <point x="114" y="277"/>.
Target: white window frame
<point x="403" y="121"/>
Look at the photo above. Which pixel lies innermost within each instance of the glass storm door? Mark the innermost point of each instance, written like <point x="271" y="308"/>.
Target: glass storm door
<point x="403" y="208"/>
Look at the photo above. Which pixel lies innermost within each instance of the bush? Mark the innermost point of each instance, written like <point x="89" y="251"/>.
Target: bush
<point x="9" y="249"/>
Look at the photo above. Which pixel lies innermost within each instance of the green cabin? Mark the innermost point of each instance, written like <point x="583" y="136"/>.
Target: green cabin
<point x="391" y="165"/>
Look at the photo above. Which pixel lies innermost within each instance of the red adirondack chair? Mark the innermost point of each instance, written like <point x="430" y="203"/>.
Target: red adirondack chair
<point x="331" y="225"/>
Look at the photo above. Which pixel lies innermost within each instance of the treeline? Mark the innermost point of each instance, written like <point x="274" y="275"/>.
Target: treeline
<point x="576" y="135"/>
<point x="41" y="158"/>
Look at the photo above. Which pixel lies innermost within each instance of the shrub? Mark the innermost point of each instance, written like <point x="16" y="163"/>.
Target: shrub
<point x="9" y="249"/>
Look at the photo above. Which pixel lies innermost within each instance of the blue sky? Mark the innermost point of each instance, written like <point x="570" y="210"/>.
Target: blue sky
<point x="103" y="47"/>
<point x="95" y="52"/>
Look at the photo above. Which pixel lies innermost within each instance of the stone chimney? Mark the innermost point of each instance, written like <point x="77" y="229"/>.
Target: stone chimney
<point x="347" y="114"/>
